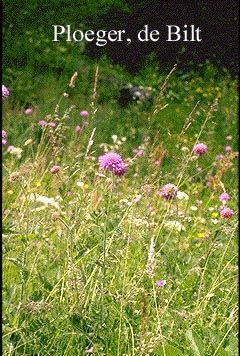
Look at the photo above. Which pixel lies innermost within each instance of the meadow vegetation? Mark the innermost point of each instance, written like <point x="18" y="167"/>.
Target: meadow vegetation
<point x="133" y="254"/>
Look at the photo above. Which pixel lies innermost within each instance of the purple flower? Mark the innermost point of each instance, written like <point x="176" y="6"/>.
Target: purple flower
<point x="10" y="148"/>
<point x="28" y="111"/>
<point x="200" y="148"/>
<point x="226" y="213"/>
<point x="138" y="152"/>
<point x="5" y="92"/>
<point x="219" y="157"/>
<point x="4" y="134"/>
<point x="55" y="169"/>
<point x="42" y="123"/>
<point x="161" y="282"/>
<point x="224" y="197"/>
<point x="113" y="162"/>
<point x="228" y="148"/>
<point x="78" y="128"/>
<point x="89" y="351"/>
<point x="84" y="113"/>
<point x="168" y="191"/>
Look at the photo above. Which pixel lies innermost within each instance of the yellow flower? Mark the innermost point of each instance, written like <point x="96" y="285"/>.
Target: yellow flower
<point x="86" y="186"/>
<point x="28" y="142"/>
<point x="10" y="192"/>
<point x="214" y="214"/>
<point x="38" y="184"/>
<point x="200" y="234"/>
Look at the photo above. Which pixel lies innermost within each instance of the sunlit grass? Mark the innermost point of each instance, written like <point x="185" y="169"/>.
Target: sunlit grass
<point x="105" y="263"/>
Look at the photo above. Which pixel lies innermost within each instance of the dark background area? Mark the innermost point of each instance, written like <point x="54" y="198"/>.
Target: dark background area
<point x="218" y="21"/>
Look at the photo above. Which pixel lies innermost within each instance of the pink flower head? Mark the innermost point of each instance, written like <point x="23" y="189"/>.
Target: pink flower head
<point x="89" y="351"/>
<point x="28" y="111"/>
<point x="219" y="157"/>
<point x="10" y="148"/>
<point x="78" y="128"/>
<point x="200" y="149"/>
<point x="55" y="169"/>
<point x="228" y="148"/>
<point x="138" y="152"/>
<point x="229" y="138"/>
<point x="85" y="123"/>
<point x="226" y="213"/>
<point x="42" y="123"/>
<point x="224" y="197"/>
<point x="4" y="134"/>
<point x="5" y="92"/>
<point x="52" y="124"/>
<point x="168" y="191"/>
<point x="113" y="162"/>
<point x="161" y="282"/>
<point x="84" y="113"/>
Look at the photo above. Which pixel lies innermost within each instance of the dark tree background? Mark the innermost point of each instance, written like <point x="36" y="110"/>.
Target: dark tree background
<point x="218" y="21"/>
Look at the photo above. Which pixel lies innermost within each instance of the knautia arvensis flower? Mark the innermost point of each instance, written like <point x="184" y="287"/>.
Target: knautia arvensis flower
<point x="200" y="148"/>
<point x="113" y="162"/>
<point x="168" y="191"/>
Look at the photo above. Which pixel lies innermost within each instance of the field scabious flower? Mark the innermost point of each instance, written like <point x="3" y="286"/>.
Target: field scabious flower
<point x="161" y="283"/>
<point x="228" y="148"/>
<point x="5" y="92"/>
<point x="168" y="191"/>
<point x="4" y="134"/>
<point x="113" y="162"/>
<point x="200" y="148"/>
<point x="55" y="169"/>
<point x="224" y="197"/>
<point x="42" y="123"/>
<point x="84" y="113"/>
<point x="226" y="213"/>
<point x="28" y="111"/>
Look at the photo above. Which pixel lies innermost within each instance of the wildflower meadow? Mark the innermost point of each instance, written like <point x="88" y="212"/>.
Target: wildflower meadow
<point x="120" y="221"/>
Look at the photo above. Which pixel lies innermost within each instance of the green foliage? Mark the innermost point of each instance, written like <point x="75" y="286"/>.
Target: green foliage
<point x="78" y="269"/>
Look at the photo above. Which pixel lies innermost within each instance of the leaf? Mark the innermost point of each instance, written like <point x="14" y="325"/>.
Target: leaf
<point x="7" y="230"/>
<point x="215" y="340"/>
<point x="15" y="261"/>
<point x="232" y="348"/>
<point x="195" y="342"/>
<point x="46" y="284"/>
<point x="169" y="351"/>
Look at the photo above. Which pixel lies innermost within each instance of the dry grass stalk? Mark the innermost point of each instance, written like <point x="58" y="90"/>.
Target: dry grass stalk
<point x="162" y="90"/>
<point x="94" y="96"/>
<point x="223" y="166"/>
<point x="189" y="120"/>
<point x="72" y="80"/>
<point x="150" y="268"/>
